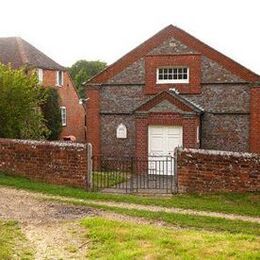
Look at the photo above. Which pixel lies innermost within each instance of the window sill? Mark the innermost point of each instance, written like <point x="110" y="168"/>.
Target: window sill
<point x="172" y="82"/>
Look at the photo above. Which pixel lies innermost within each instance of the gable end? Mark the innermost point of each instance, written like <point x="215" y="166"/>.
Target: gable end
<point x="193" y="45"/>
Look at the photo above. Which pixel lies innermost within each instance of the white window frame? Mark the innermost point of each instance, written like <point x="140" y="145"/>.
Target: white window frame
<point x="172" y="81"/>
<point x="63" y="112"/>
<point x="40" y="75"/>
<point x="198" y="134"/>
<point x="59" y="80"/>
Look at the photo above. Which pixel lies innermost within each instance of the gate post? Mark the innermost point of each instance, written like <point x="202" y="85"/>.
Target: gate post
<point x="176" y="169"/>
<point x="90" y="167"/>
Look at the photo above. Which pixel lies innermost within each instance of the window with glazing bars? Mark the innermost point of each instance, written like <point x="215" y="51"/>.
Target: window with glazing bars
<point x="173" y="75"/>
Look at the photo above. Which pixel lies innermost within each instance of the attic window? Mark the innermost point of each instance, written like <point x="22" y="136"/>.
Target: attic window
<point x="172" y="75"/>
<point x="59" y="78"/>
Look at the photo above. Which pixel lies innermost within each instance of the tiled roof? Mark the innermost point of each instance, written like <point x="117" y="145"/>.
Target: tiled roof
<point x="18" y="52"/>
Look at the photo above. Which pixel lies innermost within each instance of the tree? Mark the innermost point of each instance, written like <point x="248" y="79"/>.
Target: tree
<point x="83" y="70"/>
<point x="20" y="100"/>
<point x="51" y="112"/>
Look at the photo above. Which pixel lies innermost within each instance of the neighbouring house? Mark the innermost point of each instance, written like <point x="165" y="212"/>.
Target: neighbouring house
<point x="173" y="90"/>
<point x="19" y="53"/>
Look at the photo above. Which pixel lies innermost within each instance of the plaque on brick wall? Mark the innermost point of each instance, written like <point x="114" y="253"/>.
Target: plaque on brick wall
<point x="121" y="132"/>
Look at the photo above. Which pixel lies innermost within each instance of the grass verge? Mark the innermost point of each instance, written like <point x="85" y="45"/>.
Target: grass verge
<point x="187" y="221"/>
<point x="235" y="203"/>
<point x="112" y="239"/>
<point x="13" y="244"/>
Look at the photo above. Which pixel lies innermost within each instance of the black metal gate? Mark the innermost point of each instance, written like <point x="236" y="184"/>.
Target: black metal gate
<point x="154" y="174"/>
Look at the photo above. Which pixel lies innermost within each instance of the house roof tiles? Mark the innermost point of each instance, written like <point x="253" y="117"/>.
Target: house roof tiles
<point x="18" y="53"/>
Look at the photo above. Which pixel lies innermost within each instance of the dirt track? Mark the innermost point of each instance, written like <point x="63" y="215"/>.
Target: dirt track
<point x="51" y="228"/>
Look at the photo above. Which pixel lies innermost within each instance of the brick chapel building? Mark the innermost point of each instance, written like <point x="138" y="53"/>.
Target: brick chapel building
<point x="19" y="53"/>
<point x="173" y="90"/>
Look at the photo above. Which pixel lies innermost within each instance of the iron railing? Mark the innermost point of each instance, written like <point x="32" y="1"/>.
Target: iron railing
<point x="133" y="174"/>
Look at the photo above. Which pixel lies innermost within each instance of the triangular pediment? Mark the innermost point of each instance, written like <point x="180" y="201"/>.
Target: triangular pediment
<point x="166" y="106"/>
<point x="168" y="102"/>
<point x="183" y="37"/>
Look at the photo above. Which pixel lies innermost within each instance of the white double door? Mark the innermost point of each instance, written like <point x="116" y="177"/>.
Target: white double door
<point x="162" y="140"/>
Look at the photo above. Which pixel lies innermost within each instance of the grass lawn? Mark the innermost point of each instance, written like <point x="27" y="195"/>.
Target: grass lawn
<point x="116" y="240"/>
<point x="13" y="244"/>
<point x="189" y="221"/>
<point x="244" y="204"/>
<point x="108" y="179"/>
<point x="187" y="237"/>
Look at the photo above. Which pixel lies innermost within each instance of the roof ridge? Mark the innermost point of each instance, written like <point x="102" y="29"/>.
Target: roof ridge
<point x="21" y="49"/>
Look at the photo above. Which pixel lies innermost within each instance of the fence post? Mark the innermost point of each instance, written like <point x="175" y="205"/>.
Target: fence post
<point x="132" y="175"/>
<point x="90" y="167"/>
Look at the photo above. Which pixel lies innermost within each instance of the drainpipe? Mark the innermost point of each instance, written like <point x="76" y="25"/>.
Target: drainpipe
<point x="83" y="102"/>
<point x="200" y="130"/>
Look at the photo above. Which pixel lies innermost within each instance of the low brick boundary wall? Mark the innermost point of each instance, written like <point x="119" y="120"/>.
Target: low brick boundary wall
<point x="51" y="162"/>
<point x="203" y="171"/>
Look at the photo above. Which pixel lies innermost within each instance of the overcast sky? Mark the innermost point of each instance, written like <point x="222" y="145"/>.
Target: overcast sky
<point x="69" y="30"/>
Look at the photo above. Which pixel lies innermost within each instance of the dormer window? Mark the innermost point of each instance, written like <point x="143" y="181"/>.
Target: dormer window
<point x="59" y="78"/>
<point x="173" y="75"/>
<point x="40" y="75"/>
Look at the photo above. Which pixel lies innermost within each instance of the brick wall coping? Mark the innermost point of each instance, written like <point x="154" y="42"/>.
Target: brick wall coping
<point x="44" y="142"/>
<point x="223" y="153"/>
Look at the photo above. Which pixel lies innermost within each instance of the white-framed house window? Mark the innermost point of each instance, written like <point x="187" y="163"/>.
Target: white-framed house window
<point x="63" y="112"/>
<point x="59" y="78"/>
<point x="40" y="75"/>
<point x="198" y="134"/>
<point x="172" y="75"/>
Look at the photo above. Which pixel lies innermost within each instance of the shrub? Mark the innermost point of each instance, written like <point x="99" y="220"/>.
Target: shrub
<point x="51" y="112"/>
<point x="20" y="101"/>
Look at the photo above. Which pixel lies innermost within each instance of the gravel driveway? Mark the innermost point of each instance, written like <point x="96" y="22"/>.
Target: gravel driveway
<point x="27" y="209"/>
<point x="51" y="228"/>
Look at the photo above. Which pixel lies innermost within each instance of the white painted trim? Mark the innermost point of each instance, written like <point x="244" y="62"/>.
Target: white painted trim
<point x="172" y="81"/>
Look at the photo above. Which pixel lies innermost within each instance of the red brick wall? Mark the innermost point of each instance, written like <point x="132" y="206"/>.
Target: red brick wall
<point x="255" y="120"/>
<point x="69" y="98"/>
<point x="51" y="162"/>
<point x="189" y="125"/>
<point x="190" y="60"/>
<point x="93" y="118"/>
<point x="203" y="171"/>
